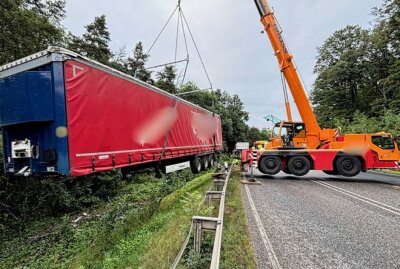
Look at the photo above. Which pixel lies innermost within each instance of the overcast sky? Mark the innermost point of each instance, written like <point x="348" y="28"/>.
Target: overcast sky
<point x="238" y="57"/>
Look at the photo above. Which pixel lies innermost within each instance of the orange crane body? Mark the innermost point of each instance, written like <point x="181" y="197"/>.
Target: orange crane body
<point x="287" y="66"/>
<point x="306" y="146"/>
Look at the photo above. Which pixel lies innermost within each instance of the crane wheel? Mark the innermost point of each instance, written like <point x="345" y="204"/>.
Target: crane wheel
<point x="195" y="165"/>
<point x="348" y="166"/>
<point x="270" y="165"/>
<point x="204" y="163"/>
<point x="299" y="165"/>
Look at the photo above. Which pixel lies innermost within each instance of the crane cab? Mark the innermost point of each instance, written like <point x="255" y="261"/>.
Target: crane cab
<point x="287" y="134"/>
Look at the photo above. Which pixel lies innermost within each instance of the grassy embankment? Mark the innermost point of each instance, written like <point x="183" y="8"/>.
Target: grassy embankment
<point x="137" y="228"/>
<point x="119" y="233"/>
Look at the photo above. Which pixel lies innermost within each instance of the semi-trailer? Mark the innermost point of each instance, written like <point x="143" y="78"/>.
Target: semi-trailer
<point x="63" y="113"/>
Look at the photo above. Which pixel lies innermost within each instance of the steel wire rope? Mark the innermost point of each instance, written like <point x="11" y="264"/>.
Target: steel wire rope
<point x="290" y="52"/>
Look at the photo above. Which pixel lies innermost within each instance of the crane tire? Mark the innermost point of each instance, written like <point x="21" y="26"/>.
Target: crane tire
<point x="270" y="165"/>
<point x="299" y="165"/>
<point x="348" y="166"/>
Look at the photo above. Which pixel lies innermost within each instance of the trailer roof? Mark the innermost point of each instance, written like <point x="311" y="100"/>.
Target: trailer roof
<point x="58" y="54"/>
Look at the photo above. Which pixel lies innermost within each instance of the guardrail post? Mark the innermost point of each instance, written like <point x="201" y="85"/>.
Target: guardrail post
<point x="200" y="224"/>
<point x="197" y="236"/>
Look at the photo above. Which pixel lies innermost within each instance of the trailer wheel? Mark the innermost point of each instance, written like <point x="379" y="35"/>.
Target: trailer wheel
<point x="204" y="163"/>
<point x="211" y="160"/>
<point x="348" y="166"/>
<point x="270" y="165"/>
<point x="299" y="165"/>
<point x="195" y="165"/>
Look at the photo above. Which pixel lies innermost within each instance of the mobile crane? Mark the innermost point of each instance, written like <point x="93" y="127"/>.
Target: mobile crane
<point x="298" y="147"/>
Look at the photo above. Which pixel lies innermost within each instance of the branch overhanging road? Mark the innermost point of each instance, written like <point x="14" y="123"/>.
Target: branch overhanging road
<point x="321" y="221"/>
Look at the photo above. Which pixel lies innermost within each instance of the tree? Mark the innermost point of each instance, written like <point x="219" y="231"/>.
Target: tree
<point x="95" y="42"/>
<point x="166" y="79"/>
<point x="349" y="68"/>
<point x="53" y="10"/>
<point x="136" y="64"/>
<point x="254" y="134"/>
<point x="388" y="23"/>
<point x="28" y="26"/>
<point x="388" y="18"/>
<point x="358" y="72"/>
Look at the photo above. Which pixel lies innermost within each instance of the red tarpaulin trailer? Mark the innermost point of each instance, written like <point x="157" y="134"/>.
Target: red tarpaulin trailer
<point x="112" y="121"/>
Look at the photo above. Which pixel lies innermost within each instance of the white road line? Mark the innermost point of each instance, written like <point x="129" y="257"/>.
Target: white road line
<point x="364" y="199"/>
<point x="271" y="253"/>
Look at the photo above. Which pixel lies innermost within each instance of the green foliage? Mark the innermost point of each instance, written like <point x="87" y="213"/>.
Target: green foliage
<point x="28" y="26"/>
<point x="255" y="134"/>
<point x="194" y="260"/>
<point x="166" y="79"/>
<point x="26" y="199"/>
<point x="136" y="64"/>
<point x="95" y="42"/>
<point x="361" y="123"/>
<point x="111" y="234"/>
<point x="358" y="73"/>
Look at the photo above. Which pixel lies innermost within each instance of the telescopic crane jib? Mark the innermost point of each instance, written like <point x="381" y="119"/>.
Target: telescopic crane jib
<point x="298" y="147"/>
<point x="286" y="64"/>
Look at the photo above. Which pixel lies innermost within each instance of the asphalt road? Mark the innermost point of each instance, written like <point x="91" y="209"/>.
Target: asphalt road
<point x="321" y="221"/>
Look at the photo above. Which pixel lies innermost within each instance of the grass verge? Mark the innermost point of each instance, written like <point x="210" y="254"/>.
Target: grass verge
<point x="390" y="172"/>
<point x="156" y="243"/>
<point x="122" y="232"/>
<point x="237" y="251"/>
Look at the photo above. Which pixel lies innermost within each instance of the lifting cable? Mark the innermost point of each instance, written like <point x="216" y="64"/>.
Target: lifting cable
<point x="183" y="25"/>
<point x="288" y="50"/>
<point x="284" y="87"/>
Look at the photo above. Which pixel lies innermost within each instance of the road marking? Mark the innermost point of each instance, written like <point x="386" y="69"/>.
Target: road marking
<point x="271" y="253"/>
<point x="364" y="199"/>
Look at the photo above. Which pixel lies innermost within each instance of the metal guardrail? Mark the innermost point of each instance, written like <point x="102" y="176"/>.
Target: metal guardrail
<point x="200" y="224"/>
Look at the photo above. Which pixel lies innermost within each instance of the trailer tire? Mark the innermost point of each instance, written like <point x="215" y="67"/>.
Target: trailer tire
<point x="204" y="163"/>
<point x="270" y="165"/>
<point x="195" y="165"/>
<point x="348" y="166"/>
<point x="211" y="160"/>
<point x="299" y="165"/>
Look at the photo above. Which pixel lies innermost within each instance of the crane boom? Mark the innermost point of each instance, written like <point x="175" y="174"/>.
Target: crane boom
<point x="299" y="147"/>
<point x="288" y="68"/>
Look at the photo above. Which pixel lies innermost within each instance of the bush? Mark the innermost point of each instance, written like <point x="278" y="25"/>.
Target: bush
<point x="27" y="198"/>
<point x="389" y="122"/>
